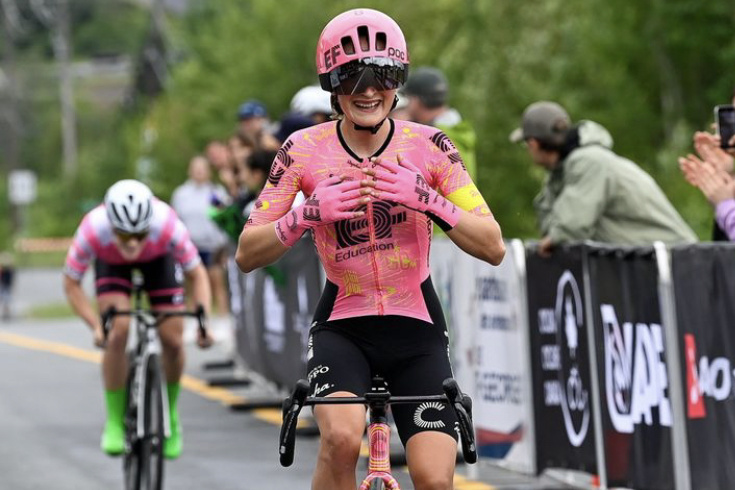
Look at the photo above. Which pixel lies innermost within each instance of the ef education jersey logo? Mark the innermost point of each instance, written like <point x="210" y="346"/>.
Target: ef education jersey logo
<point x="357" y="231"/>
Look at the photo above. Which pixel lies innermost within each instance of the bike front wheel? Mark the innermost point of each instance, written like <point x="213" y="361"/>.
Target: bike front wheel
<point x="144" y="455"/>
<point x="377" y="485"/>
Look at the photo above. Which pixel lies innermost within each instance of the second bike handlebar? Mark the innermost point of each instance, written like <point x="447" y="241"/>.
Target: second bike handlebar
<point x="158" y="317"/>
<point x="460" y="402"/>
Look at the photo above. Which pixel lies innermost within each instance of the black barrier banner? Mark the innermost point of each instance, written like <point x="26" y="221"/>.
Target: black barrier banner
<point x="277" y="307"/>
<point x="560" y="361"/>
<point x="631" y="358"/>
<point x="704" y="287"/>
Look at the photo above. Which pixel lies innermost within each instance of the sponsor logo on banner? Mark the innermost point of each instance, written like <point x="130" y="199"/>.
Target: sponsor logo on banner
<point x="568" y="390"/>
<point x="712" y="378"/>
<point x="498" y="388"/>
<point x="635" y="372"/>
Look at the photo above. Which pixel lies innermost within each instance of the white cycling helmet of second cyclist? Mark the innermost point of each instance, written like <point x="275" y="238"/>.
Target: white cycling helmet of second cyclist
<point x="311" y="100"/>
<point x="129" y="205"/>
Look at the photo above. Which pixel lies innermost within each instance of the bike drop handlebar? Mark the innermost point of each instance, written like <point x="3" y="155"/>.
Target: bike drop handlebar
<point x="158" y="317"/>
<point x="460" y="402"/>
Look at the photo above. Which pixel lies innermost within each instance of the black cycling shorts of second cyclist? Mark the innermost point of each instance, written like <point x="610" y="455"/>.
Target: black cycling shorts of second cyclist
<point x="163" y="280"/>
<point x="410" y="354"/>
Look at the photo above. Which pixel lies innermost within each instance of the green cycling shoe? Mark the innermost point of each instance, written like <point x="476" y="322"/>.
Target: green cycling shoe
<point x="113" y="437"/>
<point x="173" y="444"/>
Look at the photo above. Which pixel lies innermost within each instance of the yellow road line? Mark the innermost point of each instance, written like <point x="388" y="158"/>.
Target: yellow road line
<point x="190" y="383"/>
<point x="462" y="483"/>
<point x="53" y="347"/>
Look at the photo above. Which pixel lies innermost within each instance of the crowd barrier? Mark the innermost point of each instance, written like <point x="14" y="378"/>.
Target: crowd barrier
<point x="617" y="362"/>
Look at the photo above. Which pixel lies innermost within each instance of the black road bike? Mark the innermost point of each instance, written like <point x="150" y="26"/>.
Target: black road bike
<point x="147" y="409"/>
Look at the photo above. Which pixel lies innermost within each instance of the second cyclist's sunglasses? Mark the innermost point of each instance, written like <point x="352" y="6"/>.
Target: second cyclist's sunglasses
<point x="126" y="237"/>
<point x="356" y="76"/>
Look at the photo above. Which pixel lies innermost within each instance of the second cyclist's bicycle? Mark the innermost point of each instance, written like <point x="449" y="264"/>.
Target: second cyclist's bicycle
<point x="377" y="400"/>
<point x="147" y="409"/>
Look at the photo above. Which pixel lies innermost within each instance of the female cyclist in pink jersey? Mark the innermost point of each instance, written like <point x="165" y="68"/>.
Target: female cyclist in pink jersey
<point x="374" y="188"/>
<point x="134" y="230"/>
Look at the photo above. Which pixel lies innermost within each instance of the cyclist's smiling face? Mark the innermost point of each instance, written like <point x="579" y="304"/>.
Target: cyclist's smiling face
<point x="369" y="107"/>
<point x="130" y="246"/>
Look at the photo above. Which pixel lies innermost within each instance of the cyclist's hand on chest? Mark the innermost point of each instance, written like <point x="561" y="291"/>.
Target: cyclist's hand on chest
<point x="402" y="183"/>
<point x="333" y="199"/>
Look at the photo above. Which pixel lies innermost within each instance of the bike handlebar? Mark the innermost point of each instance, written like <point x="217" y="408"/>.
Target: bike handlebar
<point x="460" y="402"/>
<point x="158" y="317"/>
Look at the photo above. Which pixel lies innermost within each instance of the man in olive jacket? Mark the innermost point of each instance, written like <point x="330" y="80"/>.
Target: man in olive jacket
<point x="591" y="193"/>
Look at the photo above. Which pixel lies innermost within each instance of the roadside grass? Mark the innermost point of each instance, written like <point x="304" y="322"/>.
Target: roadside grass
<point x="50" y="311"/>
<point x="40" y="259"/>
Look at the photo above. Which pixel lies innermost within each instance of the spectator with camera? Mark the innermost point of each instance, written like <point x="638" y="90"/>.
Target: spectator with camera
<point x="712" y="170"/>
<point x="715" y="163"/>
<point x="590" y="192"/>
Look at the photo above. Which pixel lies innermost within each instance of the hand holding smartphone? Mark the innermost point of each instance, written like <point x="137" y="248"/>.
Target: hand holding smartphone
<point x="725" y="119"/>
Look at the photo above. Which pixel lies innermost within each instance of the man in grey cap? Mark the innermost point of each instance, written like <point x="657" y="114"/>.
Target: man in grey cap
<point x="427" y="94"/>
<point x="590" y="192"/>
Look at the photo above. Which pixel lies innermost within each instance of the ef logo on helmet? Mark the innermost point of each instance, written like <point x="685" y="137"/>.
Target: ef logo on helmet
<point x="330" y="56"/>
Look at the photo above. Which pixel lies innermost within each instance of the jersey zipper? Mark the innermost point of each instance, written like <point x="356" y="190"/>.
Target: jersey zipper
<point x="373" y="258"/>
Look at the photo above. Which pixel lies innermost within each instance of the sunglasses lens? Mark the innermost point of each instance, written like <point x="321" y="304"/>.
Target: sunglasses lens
<point x="126" y="237"/>
<point x="356" y="77"/>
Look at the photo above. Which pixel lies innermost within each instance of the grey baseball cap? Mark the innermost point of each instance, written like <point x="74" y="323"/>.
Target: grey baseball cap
<point x="545" y="121"/>
<point x="428" y="84"/>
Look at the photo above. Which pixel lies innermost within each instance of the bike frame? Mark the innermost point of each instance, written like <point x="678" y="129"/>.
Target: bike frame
<point x="379" y="456"/>
<point x="146" y="345"/>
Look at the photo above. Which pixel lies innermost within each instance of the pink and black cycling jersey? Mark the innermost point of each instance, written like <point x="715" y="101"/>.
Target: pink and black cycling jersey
<point x="377" y="264"/>
<point x="95" y="238"/>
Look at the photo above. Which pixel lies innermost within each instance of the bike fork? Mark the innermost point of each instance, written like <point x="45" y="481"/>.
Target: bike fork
<point x="141" y="391"/>
<point x="379" y="460"/>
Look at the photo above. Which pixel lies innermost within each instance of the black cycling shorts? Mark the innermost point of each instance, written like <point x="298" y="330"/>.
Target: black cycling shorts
<point x="163" y="280"/>
<point x="410" y="354"/>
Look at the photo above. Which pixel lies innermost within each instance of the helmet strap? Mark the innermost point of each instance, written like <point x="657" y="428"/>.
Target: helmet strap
<point x="372" y="129"/>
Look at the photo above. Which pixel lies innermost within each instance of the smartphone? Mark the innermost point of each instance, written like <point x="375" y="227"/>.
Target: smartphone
<point x="725" y="119"/>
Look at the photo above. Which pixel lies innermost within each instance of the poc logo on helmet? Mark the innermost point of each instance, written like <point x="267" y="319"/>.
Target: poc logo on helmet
<point x="401" y="55"/>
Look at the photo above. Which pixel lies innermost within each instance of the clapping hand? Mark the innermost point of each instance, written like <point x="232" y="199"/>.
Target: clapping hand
<point x="715" y="183"/>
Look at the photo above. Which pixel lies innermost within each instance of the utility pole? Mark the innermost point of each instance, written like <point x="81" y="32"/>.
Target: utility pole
<point x="12" y="27"/>
<point x="54" y="14"/>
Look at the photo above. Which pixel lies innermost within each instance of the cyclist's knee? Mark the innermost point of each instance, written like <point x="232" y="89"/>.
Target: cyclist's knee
<point x="430" y="479"/>
<point x="341" y="444"/>
<point x="117" y="338"/>
<point x="173" y="342"/>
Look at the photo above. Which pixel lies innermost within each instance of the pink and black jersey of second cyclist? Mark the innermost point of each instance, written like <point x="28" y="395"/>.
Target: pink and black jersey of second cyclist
<point x="379" y="263"/>
<point x="95" y="238"/>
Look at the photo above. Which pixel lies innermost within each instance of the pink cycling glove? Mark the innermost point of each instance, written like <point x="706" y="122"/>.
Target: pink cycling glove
<point x="332" y="200"/>
<point x="403" y="183"/>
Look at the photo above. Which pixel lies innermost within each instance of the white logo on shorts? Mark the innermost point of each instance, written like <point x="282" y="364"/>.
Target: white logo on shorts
<point x="428" y="424"/>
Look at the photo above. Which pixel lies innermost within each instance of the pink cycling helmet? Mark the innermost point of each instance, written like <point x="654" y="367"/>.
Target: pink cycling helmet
<point x="339" y="44"/>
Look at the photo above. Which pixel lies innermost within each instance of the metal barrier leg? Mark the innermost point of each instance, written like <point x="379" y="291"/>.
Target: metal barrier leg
<point x="682" y="474"/>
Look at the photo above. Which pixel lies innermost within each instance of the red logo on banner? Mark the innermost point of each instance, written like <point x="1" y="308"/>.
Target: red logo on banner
<point x="695" y="402"/>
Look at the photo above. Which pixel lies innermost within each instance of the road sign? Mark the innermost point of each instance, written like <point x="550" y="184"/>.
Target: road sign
<point x="22" y="187"/>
